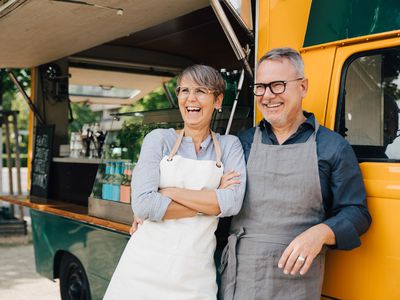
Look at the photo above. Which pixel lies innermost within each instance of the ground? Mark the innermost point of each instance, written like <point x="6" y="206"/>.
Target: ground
<point x="18" y="278"/>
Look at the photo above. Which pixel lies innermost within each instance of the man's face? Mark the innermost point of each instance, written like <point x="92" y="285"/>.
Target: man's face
<point x="281" y="110"/>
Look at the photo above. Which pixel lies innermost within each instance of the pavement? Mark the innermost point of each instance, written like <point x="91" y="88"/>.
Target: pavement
<point x="18" y="277"/>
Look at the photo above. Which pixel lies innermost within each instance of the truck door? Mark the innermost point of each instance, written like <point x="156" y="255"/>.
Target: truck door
<point x="364" y="107"/>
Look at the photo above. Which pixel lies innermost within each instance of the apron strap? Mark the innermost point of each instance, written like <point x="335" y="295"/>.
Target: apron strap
<point x="216" y="146"/>
<point x="229" y="261"/>
<point x="316" y="125"/>
<point x="217" y="149"/>
<point x="313" y="136"/>
<point x="176" y="146"/>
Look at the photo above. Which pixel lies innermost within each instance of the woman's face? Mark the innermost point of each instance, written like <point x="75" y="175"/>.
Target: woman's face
<point x="197" y="103"/>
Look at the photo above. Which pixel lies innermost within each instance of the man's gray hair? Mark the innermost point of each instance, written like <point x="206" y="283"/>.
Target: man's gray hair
<point x="292" y="55"/>
<point x="204" y="76"/>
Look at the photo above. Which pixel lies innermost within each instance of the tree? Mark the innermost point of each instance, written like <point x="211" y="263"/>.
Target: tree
<point x="11" y="99"/>
<point x="154" y="100"/>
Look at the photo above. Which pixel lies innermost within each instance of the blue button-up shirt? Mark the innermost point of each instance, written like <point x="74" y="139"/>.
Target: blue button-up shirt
<point x="342" y="187"/>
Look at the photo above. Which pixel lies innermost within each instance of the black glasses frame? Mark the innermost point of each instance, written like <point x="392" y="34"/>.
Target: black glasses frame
<point x="269" y="85"/>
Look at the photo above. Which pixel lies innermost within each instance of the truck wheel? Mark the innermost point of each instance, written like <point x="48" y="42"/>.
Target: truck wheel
<point x="74" y="284"/>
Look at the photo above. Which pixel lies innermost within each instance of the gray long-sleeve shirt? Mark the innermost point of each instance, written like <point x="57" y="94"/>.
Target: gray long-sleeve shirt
<point x="148" y="203"/>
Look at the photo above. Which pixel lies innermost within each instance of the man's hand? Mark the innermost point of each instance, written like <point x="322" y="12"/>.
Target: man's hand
<point x="135" y="224"/>
<point x="301" y="252"/>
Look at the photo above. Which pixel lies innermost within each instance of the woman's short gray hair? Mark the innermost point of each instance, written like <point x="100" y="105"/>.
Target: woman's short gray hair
<point x="204" y="76"/>
<point x="292" y="55"/>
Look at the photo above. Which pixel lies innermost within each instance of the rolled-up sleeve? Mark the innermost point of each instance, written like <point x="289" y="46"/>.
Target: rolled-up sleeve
<point x="348" y="216"/>
<point x="230" y="200"/>
<point x="147" y="202"/>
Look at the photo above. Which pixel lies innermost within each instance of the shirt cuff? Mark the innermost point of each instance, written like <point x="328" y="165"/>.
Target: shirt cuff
<point x="226" y="202"/>
<point x="346" y="235"/>
<point x="159" y="208"/>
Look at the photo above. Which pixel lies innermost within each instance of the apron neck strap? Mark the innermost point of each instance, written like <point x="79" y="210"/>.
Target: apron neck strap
<point x="316" y="125"/>
<point x="217" y="149"/>
<point x="216" y="146"/>
<point x="176" y="146"/>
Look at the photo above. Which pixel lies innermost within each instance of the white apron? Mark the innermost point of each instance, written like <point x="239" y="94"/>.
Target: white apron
<point x="173" y="259"/>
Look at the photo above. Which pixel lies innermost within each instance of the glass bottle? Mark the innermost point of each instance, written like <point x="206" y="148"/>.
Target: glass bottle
<point x="125" y="190"/>
<point x="116" y="181"/>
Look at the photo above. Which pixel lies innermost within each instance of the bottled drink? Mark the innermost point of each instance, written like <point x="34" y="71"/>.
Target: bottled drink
<point x="125" y="190"/>
<point x="116" y="181"/>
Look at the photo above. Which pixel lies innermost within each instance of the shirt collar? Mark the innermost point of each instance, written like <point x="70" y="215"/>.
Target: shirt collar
<point x="309" y="123"/>
<point x="204" y="144"/>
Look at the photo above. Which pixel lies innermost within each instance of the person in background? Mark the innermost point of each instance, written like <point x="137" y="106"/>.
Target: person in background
<point x="304" y="193"/>
<point x="179" y="190"/>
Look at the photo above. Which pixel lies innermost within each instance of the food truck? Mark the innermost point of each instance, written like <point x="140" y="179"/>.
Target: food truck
<point x="80" y="215"/>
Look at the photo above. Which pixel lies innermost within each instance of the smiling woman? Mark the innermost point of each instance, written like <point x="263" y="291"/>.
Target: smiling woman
<point x="178" y="192"/>
<point x="200" y="90"/>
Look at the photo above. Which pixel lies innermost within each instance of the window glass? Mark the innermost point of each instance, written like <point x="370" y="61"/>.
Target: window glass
<point x="102" y="91"/>
<point x="371" y="106"/>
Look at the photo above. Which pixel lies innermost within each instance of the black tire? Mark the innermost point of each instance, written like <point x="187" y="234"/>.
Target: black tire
<point x="74" y="284"/>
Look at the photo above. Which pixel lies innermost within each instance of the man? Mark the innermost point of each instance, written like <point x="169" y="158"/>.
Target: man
<point x="304" y="192"/>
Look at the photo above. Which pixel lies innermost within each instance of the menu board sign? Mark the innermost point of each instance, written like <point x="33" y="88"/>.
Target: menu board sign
<point x="42" y="156"/>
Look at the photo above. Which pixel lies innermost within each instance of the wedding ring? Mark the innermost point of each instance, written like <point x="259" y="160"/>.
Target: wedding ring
<point x="301" y="258"/>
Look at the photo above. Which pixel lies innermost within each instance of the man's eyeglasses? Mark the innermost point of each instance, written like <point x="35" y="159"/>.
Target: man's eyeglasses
<point x="201" y="92"/>
<point x="276" y="87"/>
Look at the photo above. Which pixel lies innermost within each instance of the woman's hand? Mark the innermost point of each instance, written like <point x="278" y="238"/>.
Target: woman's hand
<point x="229" y="179"/>
<point x="135" y="224"/>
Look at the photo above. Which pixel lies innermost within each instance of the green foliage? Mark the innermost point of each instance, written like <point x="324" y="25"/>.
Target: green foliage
<point x="82" y="115"/>
<point x="131" y="138"/>
<point x="11" y="99"/>
<point x="154" y="100"/>
<point x="7" y="88"/>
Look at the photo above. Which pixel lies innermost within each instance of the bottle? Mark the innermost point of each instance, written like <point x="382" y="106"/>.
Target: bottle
<point x="125" y="190"/>
<point x="116" y="182"/>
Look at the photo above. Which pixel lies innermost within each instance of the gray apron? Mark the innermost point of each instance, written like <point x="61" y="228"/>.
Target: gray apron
<point x="283" y="199"/>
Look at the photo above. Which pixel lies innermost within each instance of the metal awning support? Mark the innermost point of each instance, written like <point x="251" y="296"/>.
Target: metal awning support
<point x="239" y="88"/>
<point x="26" y="97"/>
<point x="239" y="19"/>
<point x="230" y="34"/>
<point x="169" y="96"/>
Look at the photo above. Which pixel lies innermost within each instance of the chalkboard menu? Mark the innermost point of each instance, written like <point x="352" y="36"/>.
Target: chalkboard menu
<point x="42" y="156"/>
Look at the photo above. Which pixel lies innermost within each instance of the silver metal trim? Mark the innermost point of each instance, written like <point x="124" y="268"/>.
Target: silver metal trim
<point x="230" y="34"/>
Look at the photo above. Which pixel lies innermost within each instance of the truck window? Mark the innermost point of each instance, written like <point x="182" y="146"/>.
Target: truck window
<point x="370" y="105"/>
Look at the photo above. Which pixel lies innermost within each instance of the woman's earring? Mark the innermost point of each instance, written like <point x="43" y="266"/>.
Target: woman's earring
<point x="219" y="110"/>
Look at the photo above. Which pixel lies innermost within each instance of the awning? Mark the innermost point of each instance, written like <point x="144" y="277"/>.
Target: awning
<point x="34" y="32"/>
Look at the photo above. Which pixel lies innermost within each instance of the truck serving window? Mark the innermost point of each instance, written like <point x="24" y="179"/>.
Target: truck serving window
<point x="369" y="107"/>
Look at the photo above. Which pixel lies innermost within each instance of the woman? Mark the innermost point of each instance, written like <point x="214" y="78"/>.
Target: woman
<point x="178" y="188"/>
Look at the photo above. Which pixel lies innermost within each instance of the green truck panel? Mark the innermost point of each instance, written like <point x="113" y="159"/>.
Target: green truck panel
<point x="342" y="19"/>
<point x="98" y="249"/>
